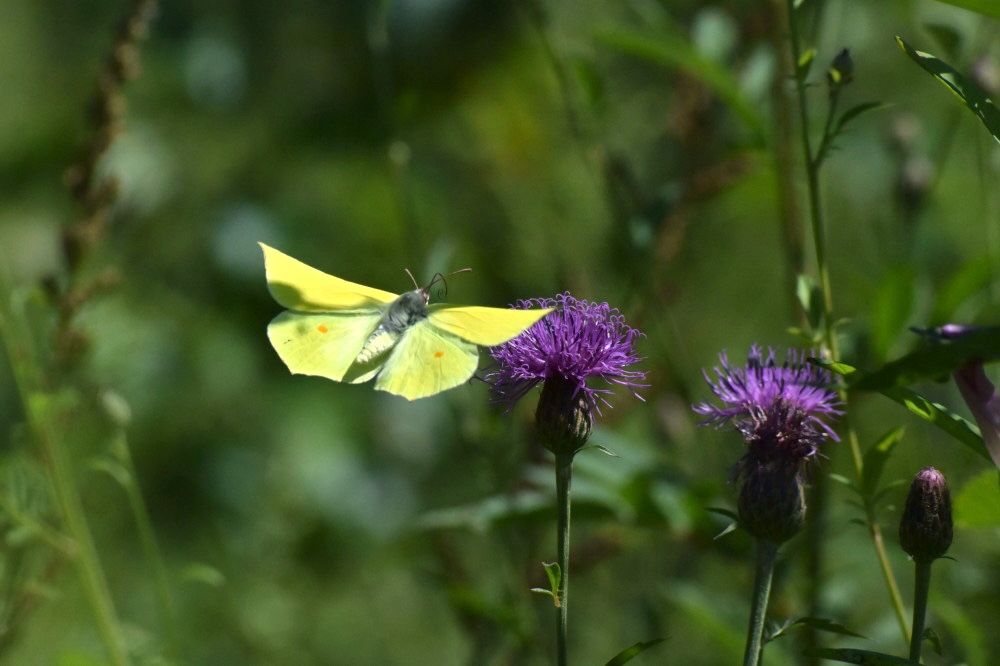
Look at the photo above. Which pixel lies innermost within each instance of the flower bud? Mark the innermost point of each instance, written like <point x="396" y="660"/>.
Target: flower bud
<point x="772" y="503"/>
<point x="563" y="418"/>
<point x="925" y="530"/>
<point x="841" y="70"/>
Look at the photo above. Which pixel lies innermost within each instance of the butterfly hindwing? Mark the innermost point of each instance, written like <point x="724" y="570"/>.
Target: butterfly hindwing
<point x="426" y="361"/>
<point x="322" y="344"/>
<point x="482" y="325"/>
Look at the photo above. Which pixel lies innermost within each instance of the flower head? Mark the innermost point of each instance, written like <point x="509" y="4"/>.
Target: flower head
<point x="779" y="409"/>
<point x="576" y="342"/>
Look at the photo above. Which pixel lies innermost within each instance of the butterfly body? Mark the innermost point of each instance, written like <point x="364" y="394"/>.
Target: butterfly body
<point x="351" y="333"/>
<point x="401" y="314"/>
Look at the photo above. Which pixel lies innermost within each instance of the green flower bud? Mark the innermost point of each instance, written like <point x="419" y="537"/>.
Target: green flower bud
<point x="563" y="418"/>
<point x="772" y="503"/>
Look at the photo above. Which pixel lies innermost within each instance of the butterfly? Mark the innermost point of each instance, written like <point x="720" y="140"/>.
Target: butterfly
<point x="351" y="333"/>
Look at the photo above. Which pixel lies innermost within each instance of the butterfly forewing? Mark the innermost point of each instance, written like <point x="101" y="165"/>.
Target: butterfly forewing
<point x="303" y="288"/>
<point x="482" y="325"/>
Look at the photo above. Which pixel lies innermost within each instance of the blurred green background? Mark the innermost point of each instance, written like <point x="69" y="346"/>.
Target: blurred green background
<point x="624" y="151"/>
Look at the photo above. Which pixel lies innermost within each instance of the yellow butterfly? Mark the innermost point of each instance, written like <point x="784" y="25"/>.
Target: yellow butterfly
<point x="351" y="333"/>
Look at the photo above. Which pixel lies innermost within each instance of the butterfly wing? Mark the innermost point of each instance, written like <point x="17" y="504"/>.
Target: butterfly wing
<point x="481" y="325"/>
<point x="426" y="361"/>
<point x="302" y="288"/>
<point x="324" y="344"/>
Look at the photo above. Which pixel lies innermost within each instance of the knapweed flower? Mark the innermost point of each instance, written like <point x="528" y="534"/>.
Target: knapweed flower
<point x="575" y="344"/>
<point x="780" y="410"/>
<point x="925" y="528"/>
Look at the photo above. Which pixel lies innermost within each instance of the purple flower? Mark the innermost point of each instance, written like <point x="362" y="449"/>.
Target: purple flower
<point x="576" y="342"/>
<point x="779" y="409"/>
<point x="979" y="393"/>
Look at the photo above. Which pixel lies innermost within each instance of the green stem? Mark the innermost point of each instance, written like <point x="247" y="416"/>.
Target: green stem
<point x="767" y="553"/>
<point x="150" y="548"/>
<point x="42" y="416"/>
<point x="921" y="590"/>
<point x="812" y="166"/>
<point x="564" y="475"/>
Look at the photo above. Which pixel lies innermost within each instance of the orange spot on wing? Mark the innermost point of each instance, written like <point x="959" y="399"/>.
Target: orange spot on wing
<point x="438" y="354"/>
<point x="322" y="329"/>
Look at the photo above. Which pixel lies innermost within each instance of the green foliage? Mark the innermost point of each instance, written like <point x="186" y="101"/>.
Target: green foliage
<point x="974" y="97"/>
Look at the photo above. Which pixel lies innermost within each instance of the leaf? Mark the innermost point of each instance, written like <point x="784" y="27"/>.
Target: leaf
<point x="984" y="7"/>
<point x="854" y="112"/>
<point x="974" y="97"/>
<point x="890" y="308"/>
<point x="825" y="624"/>
<point x="874" y="462"/>
<point x="939" y="415"/>
<point x="626" y="655"/>
<point x="862" y="657"/>
<point x="811" y="298"/>
<point x="670" y="48"/>
<point x="554" y="574"/>
<point x="977" y="503"/>
<point x="935" y="362"/>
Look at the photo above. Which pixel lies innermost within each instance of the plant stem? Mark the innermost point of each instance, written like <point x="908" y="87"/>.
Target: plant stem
<point x="150" y="548"/>
<point x="812" y="166"/>
<point x="921" y="589"/>
<point x="564" y="475"/>
<point x="767" y="552"/>
<point x="43" y="413"/>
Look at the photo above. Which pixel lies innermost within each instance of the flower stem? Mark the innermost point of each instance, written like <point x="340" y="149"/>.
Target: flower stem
<point x="767" y="552"/>
<point x="564" y="475"/>
<point x="830" y="342"/>
<point x="920" y="592"/>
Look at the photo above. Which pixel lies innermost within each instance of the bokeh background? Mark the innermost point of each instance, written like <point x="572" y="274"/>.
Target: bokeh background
<point x="627" y="152"/>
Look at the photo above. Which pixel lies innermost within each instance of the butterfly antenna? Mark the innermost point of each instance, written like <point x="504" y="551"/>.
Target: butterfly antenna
<point x="443" y="278"/>
<point x="412" y="279"/>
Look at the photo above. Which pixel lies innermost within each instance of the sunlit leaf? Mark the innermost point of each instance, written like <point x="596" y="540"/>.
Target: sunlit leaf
<point x="939" y="415"/>
<point x="626" y="655"/>
<point x="974" y="97"/>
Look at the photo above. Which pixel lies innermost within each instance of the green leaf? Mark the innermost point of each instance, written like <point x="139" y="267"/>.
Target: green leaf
<point x="935" y="362"/>
<point x="818" y="623"/>
<point x="890" y="308"/>
<point x="854" y="112"/>
<point x="939" y="415"/>
<point x="974" y="97"/>
<point x="626" y="655"/>
<point x="862" y="657"/>
<point x="874" y="462"/>
<point x="554" y="573"/>
<point x="670" y="48"/>
<point x="811" y="298"/>
<point x="984" y="7"/>
<point x="977" y="503"/>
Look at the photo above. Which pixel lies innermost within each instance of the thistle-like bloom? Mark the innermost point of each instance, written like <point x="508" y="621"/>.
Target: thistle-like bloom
<point x="575" y="344"/>
<point x="780" y="411"/>
<point x="925" y="528"/>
